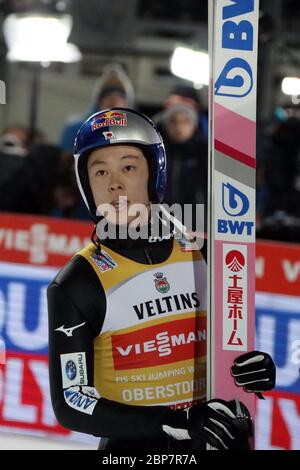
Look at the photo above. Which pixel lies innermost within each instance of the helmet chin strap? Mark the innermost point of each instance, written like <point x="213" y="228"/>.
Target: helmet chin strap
<point x="96" y="241"/>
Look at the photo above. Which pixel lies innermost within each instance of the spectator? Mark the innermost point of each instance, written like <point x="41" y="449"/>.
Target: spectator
<point x="187" y="156"/>
<point x="13" y="140"/>
<point x="27" y="187"/>
<point x="14" y="146"/>
<point x="188" y="96"/>
<point x="12" y="150"/>
<point x="113" y="89"/>
<point x="65" y="197"/>
<point x="282" y="168"/>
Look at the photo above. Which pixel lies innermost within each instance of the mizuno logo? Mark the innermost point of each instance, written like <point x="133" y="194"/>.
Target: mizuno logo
<point x="69" y="331"/>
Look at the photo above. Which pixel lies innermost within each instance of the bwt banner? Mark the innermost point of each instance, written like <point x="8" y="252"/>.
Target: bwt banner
<point x="32" y="250"/>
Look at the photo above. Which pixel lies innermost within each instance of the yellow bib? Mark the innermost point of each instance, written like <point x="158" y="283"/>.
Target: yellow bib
<point x="152" y="346"/>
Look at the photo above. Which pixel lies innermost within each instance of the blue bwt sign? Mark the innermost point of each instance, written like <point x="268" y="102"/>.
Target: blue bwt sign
<point x="236" y="78"/>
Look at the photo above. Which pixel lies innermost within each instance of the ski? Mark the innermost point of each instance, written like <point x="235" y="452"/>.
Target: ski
<point x="233" y="44"/>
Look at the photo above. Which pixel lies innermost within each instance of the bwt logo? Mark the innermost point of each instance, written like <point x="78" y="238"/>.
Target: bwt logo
<point x="2" y="92"/>
<point x="296" y="352"/>
<point x="235" y="204"/>
<point x="236" y="78"/>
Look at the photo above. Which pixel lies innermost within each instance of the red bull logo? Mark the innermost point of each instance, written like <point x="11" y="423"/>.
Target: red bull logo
<point x="110" y="118"/>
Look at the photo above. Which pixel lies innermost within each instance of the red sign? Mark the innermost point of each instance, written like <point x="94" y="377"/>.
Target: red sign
<point x="160" y="344"/>
<point x="41" y="241"/>
<point x="278" y="268"/>
<point x="24" y="394"/>
<point x="29" y="249"/>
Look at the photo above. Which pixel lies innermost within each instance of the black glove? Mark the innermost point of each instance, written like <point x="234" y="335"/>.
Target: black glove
<point x="244" y="424"/>
<point x="254" y="371"/>
<point x="213" y="423"/>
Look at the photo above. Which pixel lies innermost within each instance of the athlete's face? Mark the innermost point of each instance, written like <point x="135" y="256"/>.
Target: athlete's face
<point x="115" y="173"/>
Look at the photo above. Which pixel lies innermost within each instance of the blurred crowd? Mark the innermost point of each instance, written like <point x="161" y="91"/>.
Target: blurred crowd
<point x="37" y="177"/>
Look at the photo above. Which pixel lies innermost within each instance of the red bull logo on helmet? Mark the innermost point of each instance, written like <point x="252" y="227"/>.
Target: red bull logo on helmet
<point x="110" y="118"/>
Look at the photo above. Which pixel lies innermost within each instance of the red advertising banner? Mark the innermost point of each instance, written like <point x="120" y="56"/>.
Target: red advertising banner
<point x="278" y="268"/>
<point x="33" y="249"/>
<point x="41" y="241"/>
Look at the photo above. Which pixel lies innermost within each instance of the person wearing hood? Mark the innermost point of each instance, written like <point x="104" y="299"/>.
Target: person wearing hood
<point x="113" y="89"/>
<point x="188" y="96"/>
<point x="187" y="156"/>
